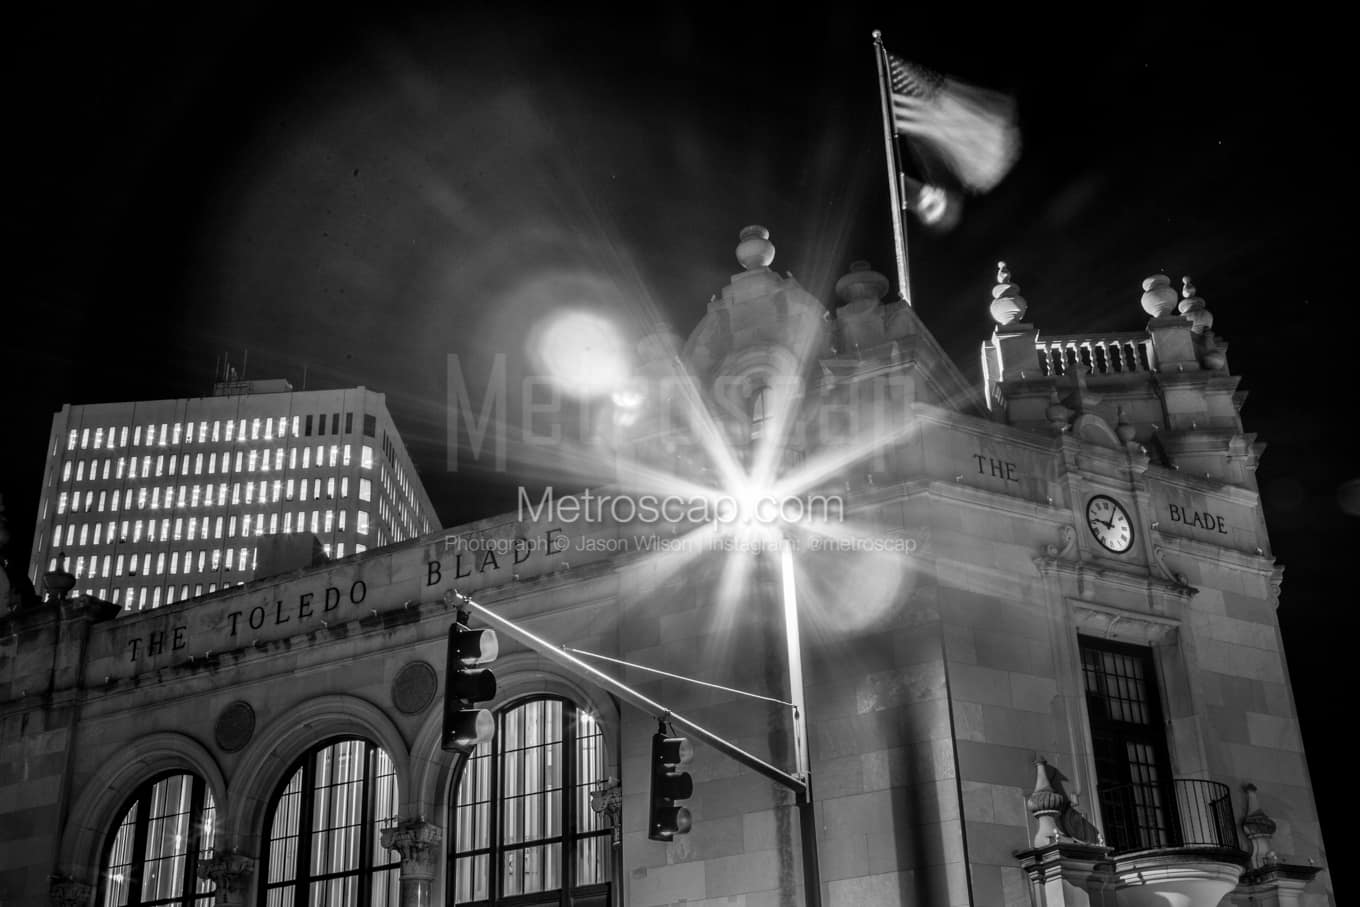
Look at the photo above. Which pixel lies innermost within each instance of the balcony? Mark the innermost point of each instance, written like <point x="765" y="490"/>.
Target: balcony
<point x="1174" y="845"/>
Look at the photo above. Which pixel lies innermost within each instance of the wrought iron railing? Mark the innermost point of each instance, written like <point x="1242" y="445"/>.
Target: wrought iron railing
<point x="1182" y="813"/>
<point x="1105" y="354"/>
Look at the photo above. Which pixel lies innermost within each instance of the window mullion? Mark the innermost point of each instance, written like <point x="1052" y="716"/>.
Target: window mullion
<point x="497" y="810"/>
<point x="195" y="842"/>
<point x="302" y="874"/>
<point x="365" y="816"/>
<point x="139" y="833"/>
<point x="568" y="794"/>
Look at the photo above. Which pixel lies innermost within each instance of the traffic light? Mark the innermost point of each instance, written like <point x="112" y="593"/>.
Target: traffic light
<point x="465" y="726"/>
<point x="665" y="820"/>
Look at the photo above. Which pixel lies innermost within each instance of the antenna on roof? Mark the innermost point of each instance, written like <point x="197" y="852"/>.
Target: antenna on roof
<point x="304" y="376"/>
<point x="245" y="360"/>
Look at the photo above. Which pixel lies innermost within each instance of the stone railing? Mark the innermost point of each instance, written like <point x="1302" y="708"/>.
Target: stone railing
<point x="1104" y="354"/>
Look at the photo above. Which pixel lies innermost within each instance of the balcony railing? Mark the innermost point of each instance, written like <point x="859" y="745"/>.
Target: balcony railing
<point x="1107" y="354"/>
<point x="1183" y="813"/>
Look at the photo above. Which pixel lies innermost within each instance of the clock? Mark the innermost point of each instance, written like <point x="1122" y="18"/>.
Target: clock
<point x="1109" y="523"/>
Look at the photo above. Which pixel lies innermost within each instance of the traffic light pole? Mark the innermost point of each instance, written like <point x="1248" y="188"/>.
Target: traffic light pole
<point x="799" y="784"/>
<point x="807" y="820"/>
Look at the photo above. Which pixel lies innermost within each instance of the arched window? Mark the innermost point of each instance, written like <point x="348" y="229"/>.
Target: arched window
<point x="760" y="411"/>
<point x="153" y="856"/>
<point x="523" y="828"/>
<point x="324" y="847"/>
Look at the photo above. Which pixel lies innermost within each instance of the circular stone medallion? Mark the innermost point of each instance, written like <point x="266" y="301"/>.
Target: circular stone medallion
<point x="235" y="725"/>
<point x="414" y="687"/>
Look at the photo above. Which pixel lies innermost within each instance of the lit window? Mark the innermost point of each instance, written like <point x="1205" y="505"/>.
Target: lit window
<point x="269" y="429"/>
<point x="231" y="429"/>
<point x="212" y="463"/>
<point x="98" y="531"/>
<point x="295" y="426"/>
<point x="217" y="529"/>
<point x="316" y="522"/>
<point x="254" y="429"/>
<point x="245" y="525"/>
<point x="335" y="454"/>
<point x="238" y="460"/>
<point x="288" y="521"/>
<point x="156" y="597"/>
<point x="80" y="470"/>
<point x="340" y="546"/>
<point x="165" y="528"/>
<point x="217" y="425"/>
<point x="203" y="432"/>
<point x="342" y="521"/>
<point x="176" y="433"/>
<point x="316" y="489"/>
<point x="330" y="521"/>
<point x="306" y="457"/>
<point x="217" y="558"/>
<point x="80" y="566"/>
<point x="84" y="438"/>
<point x="360" y="549"/>
<point x="183" y="490"/>
<point x="66" y="471"/>
<point x="344" y="486"/>
<point x="278" y="490"/>
<point x="174" y="561"/>
<point x="278" y="458"/>
<point x="250" y="461"/>
<point x="98" y="438"/>
<point x="160" y="564"/>
<point x="108" y="461"/>
<point x="193" y="527"/>
<point x="155" y="497"/>
<point x="61" y="502"/>
<point x="153" y="855"/>
<point x="137" y="531"/>
<point x="344" y="791"/>
<point x="164" y="433"/>
<point x="264" y="492"/>
<point x="198" y="464"/>
<point x="361" y="523"/>
<point x="160" y="464"/>
<point x="243" y="560"/>
<point x="146" y="465"/>
<point x="366" y="457"/>
<point x="231" y="527"/>
<point x="330" y="488"/>
<point x="273" y="523"/>
<point x="346" y="455"/>
<point x="502" y="850"/>
<point x="100" y="505"/>
<point x="71" y="440"/>
<point x="231" y="555"/>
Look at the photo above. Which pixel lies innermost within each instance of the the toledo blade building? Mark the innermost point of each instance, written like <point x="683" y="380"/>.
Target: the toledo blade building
<point x="1040" y="654"/>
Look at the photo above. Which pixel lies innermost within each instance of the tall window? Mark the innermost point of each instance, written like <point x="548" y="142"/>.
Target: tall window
<point x="1133" y="766"/>
<point x="324" y="844"/>
<point x="523" y="829"/>
<point x="760" y="411"/>
<point x="153" y="856"/>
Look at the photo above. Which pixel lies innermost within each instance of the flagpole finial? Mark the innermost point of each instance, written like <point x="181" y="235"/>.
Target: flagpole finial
<point x="878" y="36"/>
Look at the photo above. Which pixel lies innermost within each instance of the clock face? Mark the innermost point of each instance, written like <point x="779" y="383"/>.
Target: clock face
<point x="1109" y="523"/>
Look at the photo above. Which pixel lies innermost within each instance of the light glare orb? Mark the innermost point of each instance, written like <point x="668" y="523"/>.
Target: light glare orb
<point x="582" y="354"/>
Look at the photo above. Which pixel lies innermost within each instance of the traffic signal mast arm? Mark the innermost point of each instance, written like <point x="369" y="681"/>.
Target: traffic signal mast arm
<point x="628" y="694"/>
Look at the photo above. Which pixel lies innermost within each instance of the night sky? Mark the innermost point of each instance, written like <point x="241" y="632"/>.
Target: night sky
<point x="354" y="194"/>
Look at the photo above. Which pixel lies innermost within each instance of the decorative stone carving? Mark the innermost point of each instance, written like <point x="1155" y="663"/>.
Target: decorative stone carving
<point x="57" y="582"/>
<point x="1159" y="299"/>
<point x="1068" y="535"/>
<point x="1059" y="819"/>
<point x="68" y="892"/>
<point x="1046" y="804"/>
<point x="1123" y="428"/>
<point x="1260" y="829"/>
<point x="1008" y="306"/>
<point x="1059" y="416"/>
<point x="414" y="687"/>
<point x="417" y="842"/>
<point x="230" y="871"/>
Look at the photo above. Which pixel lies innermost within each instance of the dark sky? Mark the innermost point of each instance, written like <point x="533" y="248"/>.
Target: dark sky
<point x="360" y="192"/>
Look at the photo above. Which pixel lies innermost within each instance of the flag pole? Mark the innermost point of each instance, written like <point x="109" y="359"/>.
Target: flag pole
<point x="894" y="189"/>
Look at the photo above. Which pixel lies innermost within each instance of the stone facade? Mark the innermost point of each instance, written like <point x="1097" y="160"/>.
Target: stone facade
<point x="944" y="624"/>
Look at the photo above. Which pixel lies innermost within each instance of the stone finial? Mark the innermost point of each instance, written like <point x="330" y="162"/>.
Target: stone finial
<point x="57" y="581"/>
<point x="1059" y="416"/>
<point x="1122" y="428"/>
<point x="863" y="285"/>
<point x="755" y="251"/>
<point x="1159" y="299"/>
<point x="1260" y="828"/>
<point x="1192" y="307"/>
<point x="1008" y="306"/>
<point x="1045" y="804"/>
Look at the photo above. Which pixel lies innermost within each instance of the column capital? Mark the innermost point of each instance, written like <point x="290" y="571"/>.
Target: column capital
<point x="417" y="842"/>
<point x="68" y="892"/>
<point x="230" y="871"/>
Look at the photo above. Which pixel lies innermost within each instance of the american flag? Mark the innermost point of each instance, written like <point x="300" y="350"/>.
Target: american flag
<point x="971" y="129"/>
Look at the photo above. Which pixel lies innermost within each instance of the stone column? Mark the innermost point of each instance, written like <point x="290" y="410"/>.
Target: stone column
<point x="230" y="871"/>
<point x="417" y="842"/>
<point x="67" y="892"/>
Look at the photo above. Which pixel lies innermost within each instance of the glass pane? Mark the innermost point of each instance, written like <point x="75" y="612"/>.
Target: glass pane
<point x="472" y="879"/>
<point x="119" y="872"/>
<point x="592" y="859"/>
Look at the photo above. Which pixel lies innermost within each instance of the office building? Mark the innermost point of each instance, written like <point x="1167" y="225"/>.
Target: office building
<point x="152" y="502"/>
